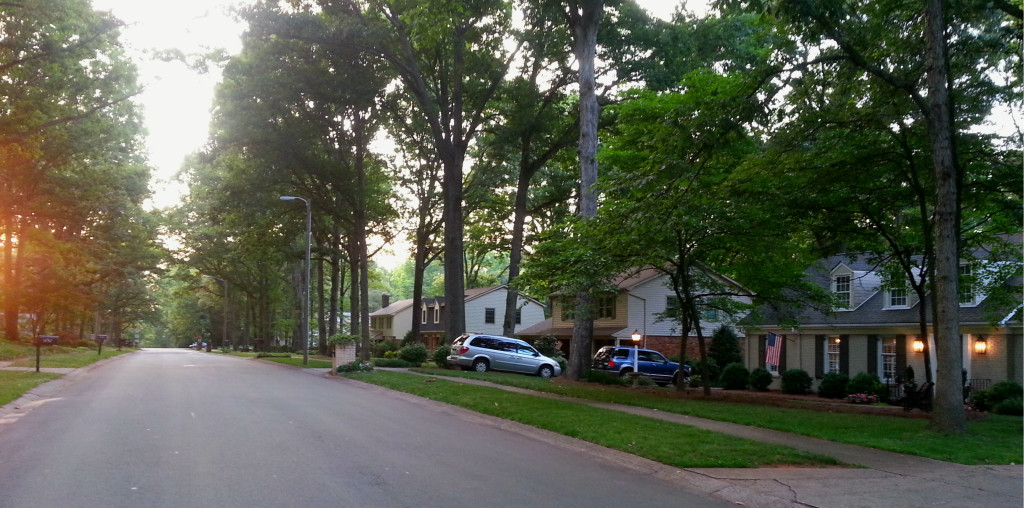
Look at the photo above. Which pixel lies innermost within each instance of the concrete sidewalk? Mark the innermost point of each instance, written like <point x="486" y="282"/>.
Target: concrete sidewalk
<point x="884" y="478"/>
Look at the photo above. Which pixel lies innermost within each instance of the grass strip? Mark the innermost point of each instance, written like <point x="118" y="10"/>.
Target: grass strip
<point x="297" y="362"/>
<point x="994" y="439"/>
<point x="61" y="357"/>
<point x="14" y="384"/>
<point x="676" y="445"/>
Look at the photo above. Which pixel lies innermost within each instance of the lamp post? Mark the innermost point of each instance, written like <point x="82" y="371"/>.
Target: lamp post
<point x="636" y="356"/>
<point x="224" y="338"/>
<point x="305" y="300"/>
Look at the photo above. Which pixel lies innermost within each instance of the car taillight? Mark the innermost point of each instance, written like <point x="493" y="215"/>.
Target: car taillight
<point x="464" y="350"/>
<point x="611" y="364"/>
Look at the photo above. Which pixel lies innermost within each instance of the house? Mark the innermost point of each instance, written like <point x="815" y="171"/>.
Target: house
<point x="485" y="311"/>
<point x="875" y="328"/>
<point x="637" y="305"/>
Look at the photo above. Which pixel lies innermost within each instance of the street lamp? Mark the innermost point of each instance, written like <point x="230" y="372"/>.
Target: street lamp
<point x="305" y="301"/>
<point x="224" y="338"/>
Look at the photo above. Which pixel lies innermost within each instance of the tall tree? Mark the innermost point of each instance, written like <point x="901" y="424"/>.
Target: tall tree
<point x="70" y="142"/>
<point x="584" y="20"/>
<point x="902" y="49"/>
<point x="450" y="58"/>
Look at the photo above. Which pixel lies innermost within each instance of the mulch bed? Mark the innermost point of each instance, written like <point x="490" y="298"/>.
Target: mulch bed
<point x="776" y="398"/>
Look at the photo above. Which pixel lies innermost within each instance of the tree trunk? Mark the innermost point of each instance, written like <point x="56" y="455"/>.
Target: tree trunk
<point x="337" y="281"/>
<point x="321" y="315"/>
<point x="516" y="251"/>
<point x="948" y="415"/>
<point x="11" y="294"/>
<point x="454" y="283"/>
<point x="584" y="21"/>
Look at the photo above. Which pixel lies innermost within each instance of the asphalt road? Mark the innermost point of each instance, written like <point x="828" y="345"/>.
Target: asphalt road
<point x="177" y="428"/>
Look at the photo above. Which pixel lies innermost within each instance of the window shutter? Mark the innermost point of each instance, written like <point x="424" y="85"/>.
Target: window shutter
<point x="761" y="350"/>
<point x="819" y="356"/>
<point x="782" y="354"/>
<point x="844" y="354"/>
<point x="873" y="354"/>
<point x="901" y="356"/>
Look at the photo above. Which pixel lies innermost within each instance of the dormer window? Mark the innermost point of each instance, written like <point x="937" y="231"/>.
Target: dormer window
<point x="898" y="297"/>
<point x="841" y="288"/>
<point x="966" y="285"/>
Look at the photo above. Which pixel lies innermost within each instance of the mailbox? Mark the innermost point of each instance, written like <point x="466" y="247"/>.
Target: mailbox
<point x="46" y="340"/>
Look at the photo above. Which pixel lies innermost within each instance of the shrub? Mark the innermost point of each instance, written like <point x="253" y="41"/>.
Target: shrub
<point x="1002" y="391"/>
<point x="415" y="353"/>
<point x="725" y="346"/>
<point x="796" y="382"/>
<point x="735" y="377"/>
<point x="604" y="377"/>
<point x="440" y="356"/>
<point x="760" y="379"/>
<point x="862" y="398"/>
<point x="355" y="366"/>
<point x="391" y="362"/>
<point x="714" y="371"/>
<point x="1010" y="407"/>
<point x="548" y="346"/>
<point x="833" y="386"/>
<point x="867" y="384"/>
<point x="380" y="349"/>
<point x="695" y="381"/>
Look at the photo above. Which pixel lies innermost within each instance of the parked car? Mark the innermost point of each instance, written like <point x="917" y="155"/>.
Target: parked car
<point x="481" y="353"/>
<point x="648" y="362"/>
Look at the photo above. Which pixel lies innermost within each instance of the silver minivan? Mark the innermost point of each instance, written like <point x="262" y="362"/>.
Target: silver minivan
<point x="482" y="352"/>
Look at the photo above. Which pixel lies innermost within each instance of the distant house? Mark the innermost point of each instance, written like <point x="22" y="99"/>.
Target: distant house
<point x="874" y="329"/>
<point x="637" y="305"/>
<point x="485" y="311"/>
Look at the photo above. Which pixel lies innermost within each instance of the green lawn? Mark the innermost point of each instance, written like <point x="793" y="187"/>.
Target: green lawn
<point x="14" y="384"/>
<point x="995" y="439"/>
<point x="61" y="357"/>
<point x="676" y="445"/>
<point x="297" y="361"/>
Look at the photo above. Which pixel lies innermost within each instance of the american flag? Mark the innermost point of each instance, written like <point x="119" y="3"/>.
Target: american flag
<point x="773" y="349"/>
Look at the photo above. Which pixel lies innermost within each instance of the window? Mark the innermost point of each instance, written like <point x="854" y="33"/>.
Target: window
<point x="568" y="308"/>
<point x="423" y="316"/>
<point x="832" y="355"/>
<point x="888" y="353"/>
<point x="841" y="288"/>
<point x="606" y="307"/>
<point x="519" y="316"/>
<point x="709" y="315"/>
<point x="437" y="314"/>
<point x="898" y="297"/>
<point x="966" y="285"/>
<point x="672" y="306"/>
<point x="489" y="315"/>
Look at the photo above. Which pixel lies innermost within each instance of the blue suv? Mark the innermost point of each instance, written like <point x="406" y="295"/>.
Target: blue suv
<point x="649" y="363"/>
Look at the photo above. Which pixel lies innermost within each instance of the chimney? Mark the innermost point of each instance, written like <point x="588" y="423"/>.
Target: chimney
<point x="385" y="300"/>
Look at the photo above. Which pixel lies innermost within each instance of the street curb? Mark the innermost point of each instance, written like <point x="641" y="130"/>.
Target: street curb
<point x="692" y="481"/>
<point x="46" y="391"/>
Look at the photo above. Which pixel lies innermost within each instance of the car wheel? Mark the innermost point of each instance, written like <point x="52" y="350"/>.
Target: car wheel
<point x="625" y="372"/>
<point x="480" y="365"/>
<point x="545" y="371"/>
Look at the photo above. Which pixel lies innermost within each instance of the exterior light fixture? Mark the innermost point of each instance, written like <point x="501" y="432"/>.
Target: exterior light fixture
<point x="305" y="303"/>
<point x="918" y="346"/>
<point x="636" y="336"/>
<point x="980" y="346"/>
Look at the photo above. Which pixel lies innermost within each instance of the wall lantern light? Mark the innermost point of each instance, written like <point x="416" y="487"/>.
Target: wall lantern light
<point x="918" y="346"/>
<point x="980" y="346"/>
<point x="636" y="336"/>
